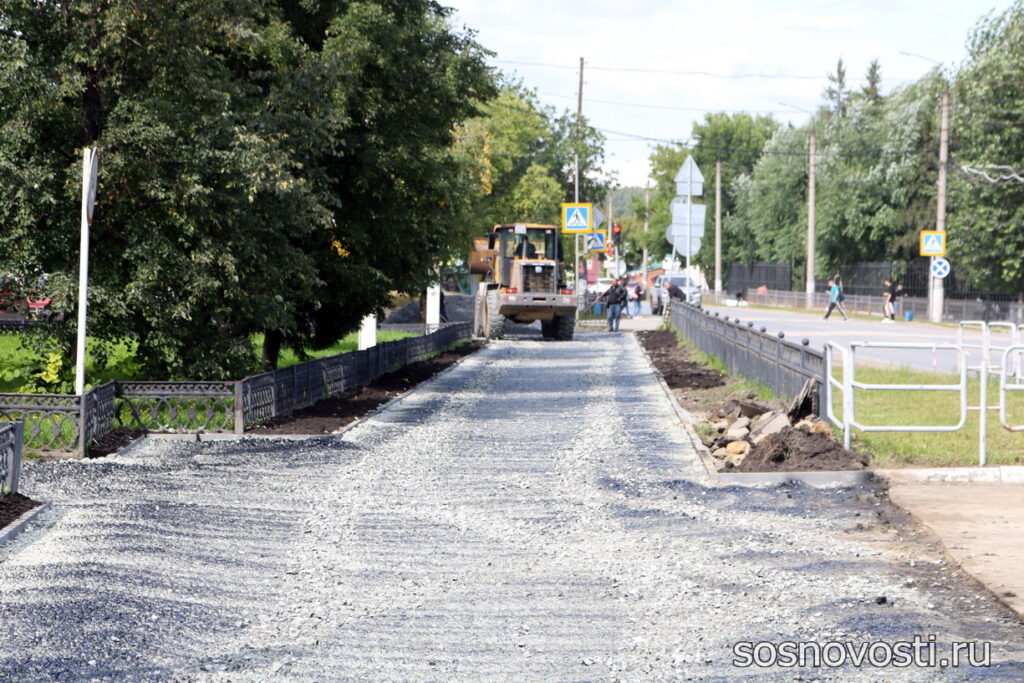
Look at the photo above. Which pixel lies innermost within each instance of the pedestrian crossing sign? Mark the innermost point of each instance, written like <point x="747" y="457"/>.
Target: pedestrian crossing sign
<point x="595" y="241"/>
<point x="933" y="243"/>
<point x="577" y="217"/>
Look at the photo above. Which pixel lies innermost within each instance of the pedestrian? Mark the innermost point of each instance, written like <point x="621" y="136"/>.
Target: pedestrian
<point x="835" y="299"/>
<point x="889" y="302"/>
<point x="900" y="293"/>
<point x="630" y="300"/>
<point x="615" y="297"/>
<point x="638" y="291"/>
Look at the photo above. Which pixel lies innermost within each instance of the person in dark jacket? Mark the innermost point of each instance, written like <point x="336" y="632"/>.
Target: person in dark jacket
<point x="616" y="297"/>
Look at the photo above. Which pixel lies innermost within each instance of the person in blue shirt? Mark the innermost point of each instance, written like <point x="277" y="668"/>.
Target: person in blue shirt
<point x="835" y="299"/>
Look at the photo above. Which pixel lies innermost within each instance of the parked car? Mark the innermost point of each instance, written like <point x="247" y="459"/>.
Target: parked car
<point x="601" y="286"/>
<point x="658" y="294"/>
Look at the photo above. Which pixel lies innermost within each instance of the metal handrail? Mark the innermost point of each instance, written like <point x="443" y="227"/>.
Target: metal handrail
<point x="1004" y="388"/>
<point x="960" y="387"/>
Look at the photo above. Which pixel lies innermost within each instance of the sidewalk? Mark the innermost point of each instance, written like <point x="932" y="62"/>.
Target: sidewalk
<point x="981" y="525"/>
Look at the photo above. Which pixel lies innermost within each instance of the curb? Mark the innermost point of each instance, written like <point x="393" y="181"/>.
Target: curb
<point x="17" y="526"/>
<point x="1002" y="474"/>
<point x="352" y="425"/>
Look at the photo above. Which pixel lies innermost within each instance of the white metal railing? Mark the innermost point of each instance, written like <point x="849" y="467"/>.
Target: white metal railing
<point x="1005" y="387"/>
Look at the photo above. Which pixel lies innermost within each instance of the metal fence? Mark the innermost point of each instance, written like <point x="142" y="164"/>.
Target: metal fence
<point x="865" y="278"/>
<point x="955" y="309"/>
<point x="10" y="456"/>
<point x="54" y="422"/>
<point x="750" y="351"/>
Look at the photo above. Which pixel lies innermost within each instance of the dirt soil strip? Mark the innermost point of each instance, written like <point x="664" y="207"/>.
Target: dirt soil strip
<point x="13" y="506"/>
<point x="704" y="390"/>
<point x="332" y="414"/>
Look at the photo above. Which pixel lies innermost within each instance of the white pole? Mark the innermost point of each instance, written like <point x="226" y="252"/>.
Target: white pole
<point x="689" y="218"/>
<point x="368" y="332"/>
<point x="83" y="267"/>
<point x="433" y="312"/>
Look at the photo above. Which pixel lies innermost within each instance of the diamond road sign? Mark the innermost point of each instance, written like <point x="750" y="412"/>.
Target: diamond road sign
<point x="577" y="217"/>
<point x="933" y="243"/>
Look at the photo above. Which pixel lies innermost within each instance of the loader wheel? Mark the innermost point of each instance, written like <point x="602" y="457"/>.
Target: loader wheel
<point x="495" y="321"/>
<point x="565" y="326"/>
<point x="549" y="328"/>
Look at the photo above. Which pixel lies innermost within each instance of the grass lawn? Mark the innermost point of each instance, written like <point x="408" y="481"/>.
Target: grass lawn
<point x="932" y="408"/>
<point x="123" y="366"/>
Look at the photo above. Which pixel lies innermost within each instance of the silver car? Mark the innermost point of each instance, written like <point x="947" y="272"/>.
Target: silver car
<point x="659" y="292"/>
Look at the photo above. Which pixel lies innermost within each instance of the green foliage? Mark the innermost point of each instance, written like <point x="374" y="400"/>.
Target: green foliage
<point x="264" y="166"/>
<point x="736" y="139"/>
<point x="986" y="222"/>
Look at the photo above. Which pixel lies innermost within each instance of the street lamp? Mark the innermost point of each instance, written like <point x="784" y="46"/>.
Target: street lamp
<point x="811" y="152"/>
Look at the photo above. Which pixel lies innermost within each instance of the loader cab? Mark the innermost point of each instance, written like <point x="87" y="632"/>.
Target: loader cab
<point x="523" y="241"/>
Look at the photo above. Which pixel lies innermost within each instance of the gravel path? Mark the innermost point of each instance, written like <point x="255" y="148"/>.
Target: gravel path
<point x="536" y="513"/>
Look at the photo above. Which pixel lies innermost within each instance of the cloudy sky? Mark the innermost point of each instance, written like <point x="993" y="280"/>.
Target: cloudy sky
<point x="644" y="58"/>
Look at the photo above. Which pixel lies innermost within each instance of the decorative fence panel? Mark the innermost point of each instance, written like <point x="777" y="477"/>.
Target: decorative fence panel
<point x="51" y="420"/>
<point x="70" y="423"/>
<point x="176" y="406"/>
<point x="751" y="352"/>
<point x="10" y="456"/>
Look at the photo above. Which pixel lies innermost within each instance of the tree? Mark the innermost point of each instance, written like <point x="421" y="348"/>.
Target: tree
<point x="738" y="140"/>
<point x="986" y="219"/>
<point x="872" y="89"/>
<point x="275" y="167"/>
<point x="837" y="94"/>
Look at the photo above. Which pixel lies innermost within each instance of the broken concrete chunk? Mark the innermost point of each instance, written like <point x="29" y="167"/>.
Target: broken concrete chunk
<point x="739" y="423"/>
<point x="778" y="422"/>
<point x="734" y="433"/>
<point x="738" y="448"/>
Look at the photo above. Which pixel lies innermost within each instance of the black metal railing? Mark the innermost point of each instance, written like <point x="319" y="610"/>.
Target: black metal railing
<point x="55" y="422"/>
<point x="750" y="351"/>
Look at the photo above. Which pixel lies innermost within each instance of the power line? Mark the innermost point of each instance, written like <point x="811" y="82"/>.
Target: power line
<point x="672" y="72"/>
<point x="1005" y="174"/>
<point x="638" y="105"/>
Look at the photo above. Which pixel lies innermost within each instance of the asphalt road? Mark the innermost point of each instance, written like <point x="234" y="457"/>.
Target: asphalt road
<point x="798" y="324"/>
<point x="534" y="514"/>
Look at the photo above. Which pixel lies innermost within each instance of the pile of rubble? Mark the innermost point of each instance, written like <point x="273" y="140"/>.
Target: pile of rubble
<point x="748" y="436"/>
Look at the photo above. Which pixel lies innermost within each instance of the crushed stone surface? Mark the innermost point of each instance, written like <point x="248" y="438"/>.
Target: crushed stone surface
<point x="536" y="513"/>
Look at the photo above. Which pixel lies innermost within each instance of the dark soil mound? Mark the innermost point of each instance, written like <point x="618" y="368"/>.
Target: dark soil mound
<point x="14" y="505"/>
<point x="674" y="364"/>
<point x="113" y="441"/>
<point x="333" y="413"/>
<point x="792" y="450"/>
<point x="458" y="306"/>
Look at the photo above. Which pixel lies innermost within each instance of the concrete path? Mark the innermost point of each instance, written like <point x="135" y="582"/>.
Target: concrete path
<point x="534" y="514"/>
<point x="982" y="526"/>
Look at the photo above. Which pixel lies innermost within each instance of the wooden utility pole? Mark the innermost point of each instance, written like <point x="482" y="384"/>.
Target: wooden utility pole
<point x="647" y="224"/>
<point x="718" y="226"/>
<point x="936" y="298"/>
<point x="811" y="152"/>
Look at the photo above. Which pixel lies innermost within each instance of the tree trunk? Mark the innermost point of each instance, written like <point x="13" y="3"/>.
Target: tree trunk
<point x="271" y="349"/>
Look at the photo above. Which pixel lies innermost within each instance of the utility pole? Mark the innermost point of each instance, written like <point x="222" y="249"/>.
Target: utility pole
<point x="647" y="223"/>
<point x="811" y="152"/>
<point x="718" y="226"/>
<point x="576" y="187"/>
<point x="936" y="300"/>
<point x="611" y="221"/>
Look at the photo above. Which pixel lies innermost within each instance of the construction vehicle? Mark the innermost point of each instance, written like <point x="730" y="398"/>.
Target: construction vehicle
<point x="523" y="280"/>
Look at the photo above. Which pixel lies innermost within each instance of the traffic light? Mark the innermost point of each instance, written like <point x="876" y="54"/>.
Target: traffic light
<point x="616" y="234"/>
